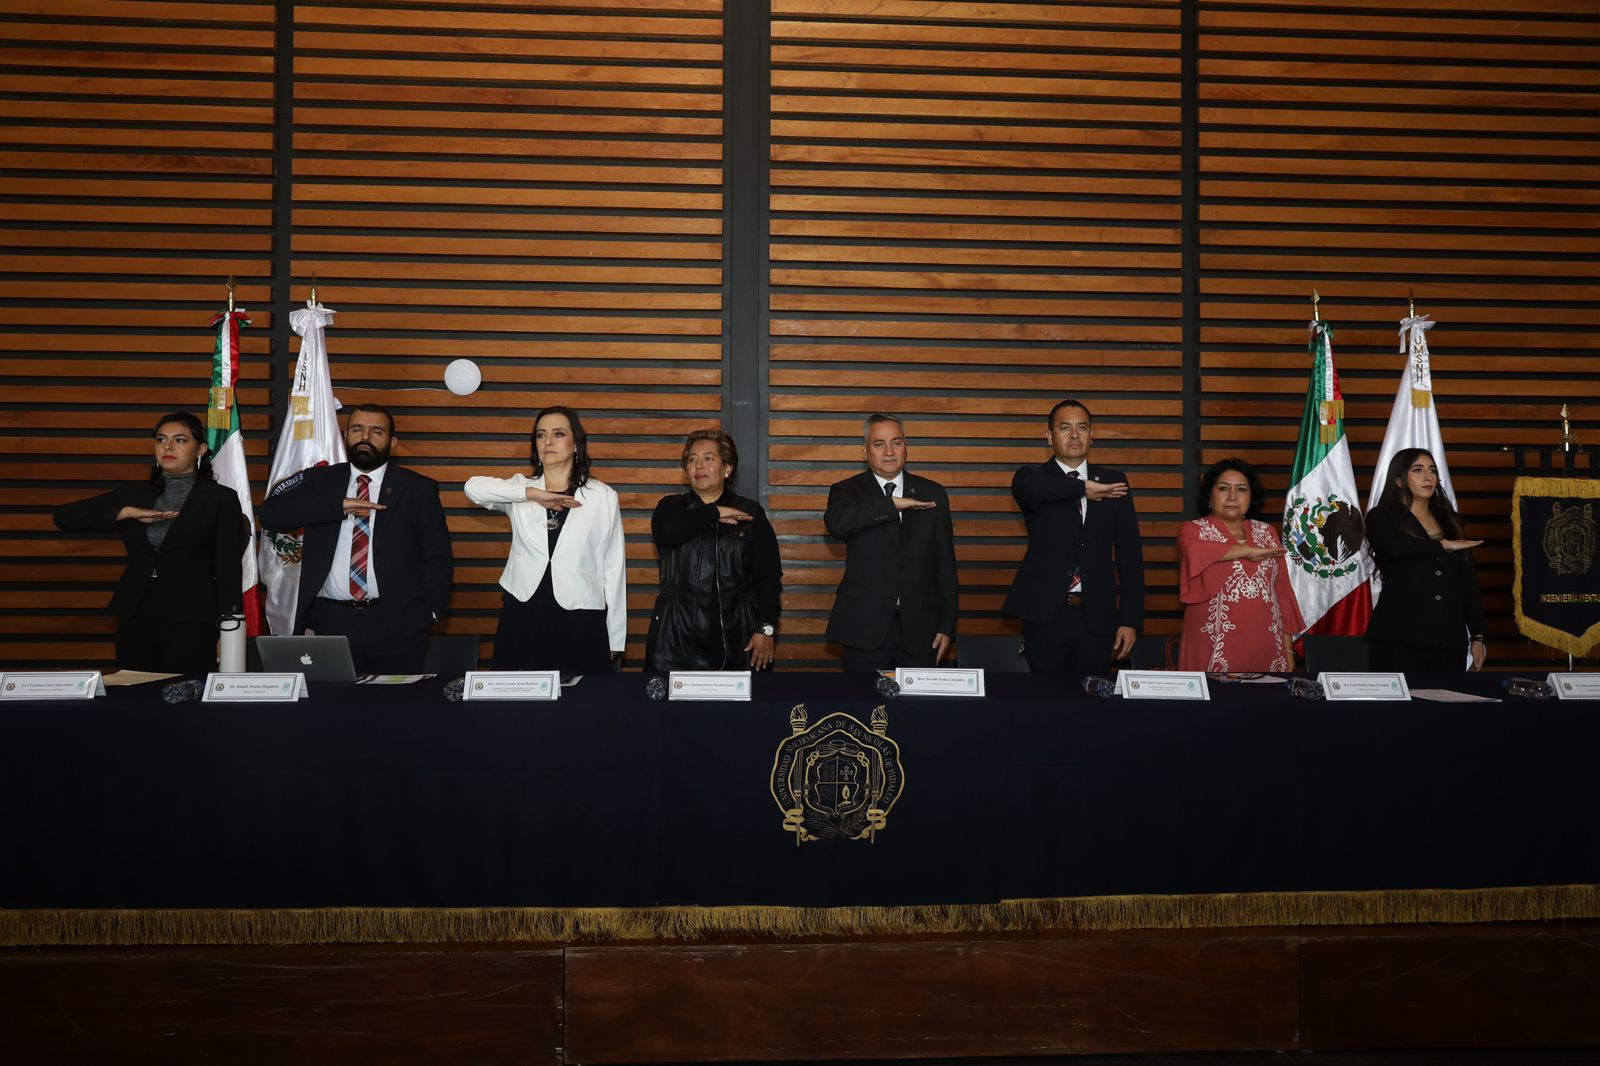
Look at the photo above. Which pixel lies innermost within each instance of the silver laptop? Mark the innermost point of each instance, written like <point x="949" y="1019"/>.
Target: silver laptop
<point x="319" y="658"/>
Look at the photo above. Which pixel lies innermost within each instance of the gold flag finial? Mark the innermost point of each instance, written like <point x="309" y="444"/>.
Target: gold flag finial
<point x="230" y="294"/>
<point x="1315" y="299"/>
<point x="313" y="301"/>
<point x="1411" y="302"/>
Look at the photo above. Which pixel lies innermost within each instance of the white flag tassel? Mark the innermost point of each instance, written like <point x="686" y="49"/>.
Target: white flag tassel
<point x="1414" y="345"/>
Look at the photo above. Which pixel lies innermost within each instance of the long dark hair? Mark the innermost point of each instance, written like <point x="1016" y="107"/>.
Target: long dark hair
<point x="580" y="440"/>
<point x="1397" y="497"/>
<point x="196" y="430"/>
<point x="1208" y="481"/>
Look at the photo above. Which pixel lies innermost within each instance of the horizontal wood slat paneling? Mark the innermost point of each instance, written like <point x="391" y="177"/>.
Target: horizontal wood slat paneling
<point x="1020" y="216"/>
<point x="973" y="209"/>
<point x="1454" y="169"/>
<point x="135" y="169"/>
<point x="540" y="192"/>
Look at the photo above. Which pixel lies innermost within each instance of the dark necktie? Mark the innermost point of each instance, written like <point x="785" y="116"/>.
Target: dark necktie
<point x="1083" y="508"/>
<point x="360" y="542"/>
<point x="888" y="490"/>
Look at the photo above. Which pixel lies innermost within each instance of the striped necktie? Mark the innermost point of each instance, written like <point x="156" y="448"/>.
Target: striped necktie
<point x="360" y="542"/>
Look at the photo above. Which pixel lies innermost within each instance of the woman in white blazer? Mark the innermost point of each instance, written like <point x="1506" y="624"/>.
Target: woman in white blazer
<point x="565" y="605"/>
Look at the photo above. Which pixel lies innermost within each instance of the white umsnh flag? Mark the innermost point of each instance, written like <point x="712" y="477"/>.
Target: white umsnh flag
<point x="226" y="442"/>
<point x="1414" y="421"/>
<point x="310" y="438"/>
<point x="1323" y="527"/>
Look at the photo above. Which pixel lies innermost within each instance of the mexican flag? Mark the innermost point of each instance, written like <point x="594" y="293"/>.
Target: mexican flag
<point x="1329" y="564"/>
<point x="226" y="442"/>
<point x="310" y="437"/>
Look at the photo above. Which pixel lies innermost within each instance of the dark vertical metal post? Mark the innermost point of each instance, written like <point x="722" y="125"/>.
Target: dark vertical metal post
<point x="747" y="75"/>
<point x="282" y="219"/>
<point x="1189" y="118"/>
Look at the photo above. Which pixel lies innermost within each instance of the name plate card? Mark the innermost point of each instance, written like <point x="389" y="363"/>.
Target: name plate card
<point x="54" y="685"/>
<point x="708" y="685"/>
<point x="1575" y="686"/>
<point x="939" y="681"/>
<point x="1163" y="685"/>
<point x="255" y="688"/>
<point x="1367" y="686"/>
<point x="512" y="685"/>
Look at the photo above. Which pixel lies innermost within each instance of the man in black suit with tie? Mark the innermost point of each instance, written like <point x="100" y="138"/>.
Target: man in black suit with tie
<point x="376" y="564"/>
<point x="1080" y="588"/>
<point x="897" y="603"/>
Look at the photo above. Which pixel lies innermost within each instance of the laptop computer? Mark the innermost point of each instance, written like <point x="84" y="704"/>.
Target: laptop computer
<point x="319" y="658"/>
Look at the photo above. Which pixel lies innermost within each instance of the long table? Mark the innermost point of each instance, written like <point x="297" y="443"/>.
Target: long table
<point x="372" y="796"/>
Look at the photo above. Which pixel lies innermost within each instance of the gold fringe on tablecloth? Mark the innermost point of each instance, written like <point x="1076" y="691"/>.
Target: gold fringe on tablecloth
<point x="583" y="925"/>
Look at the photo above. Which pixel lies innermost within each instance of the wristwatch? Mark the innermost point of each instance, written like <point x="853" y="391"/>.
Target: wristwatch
<point x="767" y="631"/>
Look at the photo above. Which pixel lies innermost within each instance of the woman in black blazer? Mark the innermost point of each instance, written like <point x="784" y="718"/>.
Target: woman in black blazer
<point x="185" y="536"/>
<point x="1429" y="616"/>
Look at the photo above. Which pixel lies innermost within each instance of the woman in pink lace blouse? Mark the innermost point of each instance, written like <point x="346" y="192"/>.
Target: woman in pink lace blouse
<point x="1239" y="608"/>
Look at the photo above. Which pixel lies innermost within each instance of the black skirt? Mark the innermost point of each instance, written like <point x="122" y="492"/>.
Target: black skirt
<point x="543" y="635"/>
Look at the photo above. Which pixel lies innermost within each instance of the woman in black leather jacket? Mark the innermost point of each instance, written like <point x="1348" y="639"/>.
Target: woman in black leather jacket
<point x="721" y="579"/>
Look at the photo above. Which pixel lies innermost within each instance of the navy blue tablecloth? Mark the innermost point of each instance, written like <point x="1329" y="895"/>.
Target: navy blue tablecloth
<point x="391" y="796"/>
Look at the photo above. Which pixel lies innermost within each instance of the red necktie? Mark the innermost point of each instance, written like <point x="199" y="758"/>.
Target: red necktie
<point x="360" y="542"/>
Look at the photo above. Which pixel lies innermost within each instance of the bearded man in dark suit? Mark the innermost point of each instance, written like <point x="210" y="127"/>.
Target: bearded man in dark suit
<point x="376" y="564"/>
<point x="897" y="603"/>
<point x="1080" y="588"/>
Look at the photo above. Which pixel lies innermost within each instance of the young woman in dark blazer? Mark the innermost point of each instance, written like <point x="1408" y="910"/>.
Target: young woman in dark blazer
<point x="1429" y="616"/>
<point x="185" y="536"/>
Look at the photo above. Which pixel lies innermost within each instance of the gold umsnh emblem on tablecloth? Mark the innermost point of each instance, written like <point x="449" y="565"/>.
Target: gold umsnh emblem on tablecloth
<point x="837" y="778"/>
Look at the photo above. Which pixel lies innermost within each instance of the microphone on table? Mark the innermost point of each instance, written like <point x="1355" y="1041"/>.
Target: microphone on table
<point x="183" y="691"/>
<point x="888" y="687"/>
<point x="453" y="689"/>
<point x="656" y="687"/>
<point x="1527" y="688"/>
<point x="1306" y="688"/>
<point x="1099" y="687"/>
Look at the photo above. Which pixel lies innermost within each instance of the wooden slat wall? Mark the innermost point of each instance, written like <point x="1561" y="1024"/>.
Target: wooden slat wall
<point x="136" y="158"/>
<point x="974" y="213"/>
<point x="1369" y="150"/>
<point x="540" y="192"/>
<point x="975" y="210"/>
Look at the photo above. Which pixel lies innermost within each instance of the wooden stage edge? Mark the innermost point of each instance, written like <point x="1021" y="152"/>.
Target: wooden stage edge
<point x="999" y="994"/>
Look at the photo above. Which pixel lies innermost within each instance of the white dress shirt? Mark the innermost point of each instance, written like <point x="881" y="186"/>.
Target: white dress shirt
<point x="899" y="483"/>
<point x="336" y="586"/>
<point x="1082" y="470"/>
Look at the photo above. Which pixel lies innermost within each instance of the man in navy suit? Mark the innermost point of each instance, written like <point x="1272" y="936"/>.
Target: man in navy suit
<point x="897" y="603"/>
<point x="1080" y="588"/>
<point x="376" y="563"/>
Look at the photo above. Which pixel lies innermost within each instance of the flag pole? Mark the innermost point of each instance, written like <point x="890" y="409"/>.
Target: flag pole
<point x="230" y="294"/>
<point x="1315" y="299"/>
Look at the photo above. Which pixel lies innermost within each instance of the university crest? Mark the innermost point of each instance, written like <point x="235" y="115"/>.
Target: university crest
<point x="1569" y="538"/>
<point x="837" y="778"/>
<point x="1324" y="536"/>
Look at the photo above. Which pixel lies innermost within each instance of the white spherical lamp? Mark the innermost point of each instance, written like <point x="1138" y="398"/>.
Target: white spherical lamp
<point x="463" y="377"/>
